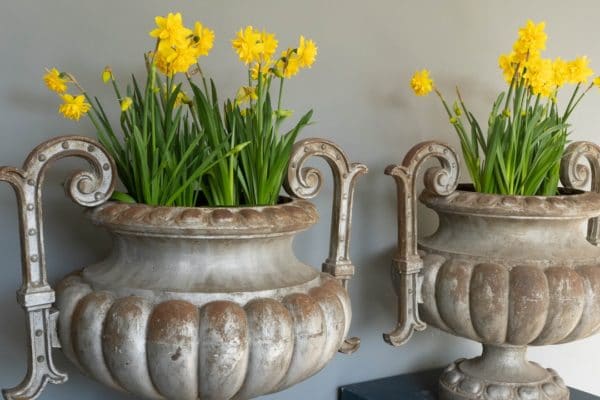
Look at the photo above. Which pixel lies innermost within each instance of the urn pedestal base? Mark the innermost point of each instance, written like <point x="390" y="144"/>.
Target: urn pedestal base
<point x="501" y="373"/>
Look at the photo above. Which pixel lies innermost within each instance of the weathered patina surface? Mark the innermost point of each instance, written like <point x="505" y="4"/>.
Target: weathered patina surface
<point x="191" y="303"/>
<point x="505" y="271"/>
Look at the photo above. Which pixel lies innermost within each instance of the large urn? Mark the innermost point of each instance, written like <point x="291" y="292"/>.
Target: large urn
<point x="505" y="271"/>
<point x="208" y="303"/>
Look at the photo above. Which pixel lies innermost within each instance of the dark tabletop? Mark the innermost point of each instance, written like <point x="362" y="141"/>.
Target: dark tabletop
<point x="414" y="386"/>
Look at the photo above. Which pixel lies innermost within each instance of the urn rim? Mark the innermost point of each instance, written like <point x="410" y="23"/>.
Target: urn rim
<point x="290" y="216"/>
<point x="569" y="204"/>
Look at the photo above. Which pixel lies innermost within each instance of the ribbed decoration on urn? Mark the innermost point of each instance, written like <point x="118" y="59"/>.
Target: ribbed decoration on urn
<point x="206" y="303"/>
<point x="512" y="270"/>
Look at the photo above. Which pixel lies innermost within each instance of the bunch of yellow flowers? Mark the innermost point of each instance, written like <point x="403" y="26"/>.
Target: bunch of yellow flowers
<point x="178" y="47"/>
<point x="527" y="131"/>
<point x="543" y="75"/>
<point x="73" y="107"/>
<point x="143" y="108"/>
<point x="257" y="48"/>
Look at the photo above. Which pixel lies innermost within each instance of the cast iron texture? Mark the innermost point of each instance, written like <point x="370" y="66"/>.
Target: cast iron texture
<point x="194" y="303"/>
<point x="35" y="295"/>
<point x="505" y="271"/>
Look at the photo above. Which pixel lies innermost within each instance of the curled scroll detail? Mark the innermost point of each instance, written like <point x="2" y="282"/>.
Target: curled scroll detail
<point x="407" y="264"/>
<point x="305" y="182"/>
<point x="577" y="175"/>
<point x="87" y="188"/>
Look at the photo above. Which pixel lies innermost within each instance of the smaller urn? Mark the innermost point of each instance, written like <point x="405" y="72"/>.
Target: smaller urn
<point x="505" y="271"/>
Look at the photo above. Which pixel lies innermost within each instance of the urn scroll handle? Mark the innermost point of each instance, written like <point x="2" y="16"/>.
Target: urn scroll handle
<point x="305" y="183"/>
<point x="575" y="175"/>
<point x="36" y="296"/>
<point x="407" y="264"/>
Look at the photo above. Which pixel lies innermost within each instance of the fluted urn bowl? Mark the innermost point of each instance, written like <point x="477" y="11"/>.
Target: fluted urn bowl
<point x="206" y="303"/>
<point x="510" y="272"/>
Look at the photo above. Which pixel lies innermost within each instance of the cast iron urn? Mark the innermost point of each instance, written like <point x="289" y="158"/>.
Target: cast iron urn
<point x="191" y="303"/>
<point x="505" y="271"/>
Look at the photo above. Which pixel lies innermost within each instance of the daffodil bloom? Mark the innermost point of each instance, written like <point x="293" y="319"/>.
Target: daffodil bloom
<point x="107" y="74"/>
<point x="421" y="83"/>
<point x="203" y="39"/>
<point x="269" y="45"/>
<point x="507" y="64"/>
<point x="540" y="76"/>
<point x="264" y="68"/>
<point x="248" y="44"/>
<point x="245" y="94"/>
<point x="126" y="103"/>
<point x="531" y="41"/>
<point x="55" y="81"/>
<point x="182" y="59"/>
<point x="289" y="63"/>
<point x="182" y="98"/>
<point x="561" y="72"/>
<point x="171" y="60"/>
<point x="579" y="70"/>
<point x="161" y="59"/>
<point x="307" y="52"/>
<point x="170" y="30"/>
<point x="597" y="81"/>
<point x="74" y="107"/>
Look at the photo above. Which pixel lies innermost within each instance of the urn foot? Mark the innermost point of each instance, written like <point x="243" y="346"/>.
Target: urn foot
<point x="501" y="373"/>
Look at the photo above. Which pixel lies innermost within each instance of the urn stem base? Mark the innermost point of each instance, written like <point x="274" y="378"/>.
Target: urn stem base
<point x="501" y="373"/>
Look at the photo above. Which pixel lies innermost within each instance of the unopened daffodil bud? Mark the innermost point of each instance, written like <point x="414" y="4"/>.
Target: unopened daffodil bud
<point x="107" y="75"/>
<point x="126" y="103"/>
<point x="457" y="109"/>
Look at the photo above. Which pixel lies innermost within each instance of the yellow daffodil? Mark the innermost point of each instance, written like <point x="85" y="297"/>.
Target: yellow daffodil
<point x="540" y="76"/>
<point x="531" y="41"/>
<point x="561" y="72"/>
<point x="107" y="75"/>
<point x="182" y="98"/>
<point x="182" y="59"/>
<point x="161" y="59"/>
<point x="263" y="67"/>
<point x="507" y="64"/>
<point x="126" y="103"/>
<point x="289" y="64"/>
<point x="74" y="107"/>
<point x="307" y="52"/>
<point x="171" y="60"/>
<point x="55" y="81"/>
<point x="203" y="39"/>
<point x="248" y="44"/>
<point x="170" y="30"/>
<point x="579" y="70"/>
<point x="421" y="83"/>
<point x="269" y="45"/>
<point x="245" y="94"/>
<point x="597" y="81"/>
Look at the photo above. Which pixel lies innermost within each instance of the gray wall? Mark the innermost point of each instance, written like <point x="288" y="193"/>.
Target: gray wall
<point x="358" y="88"/>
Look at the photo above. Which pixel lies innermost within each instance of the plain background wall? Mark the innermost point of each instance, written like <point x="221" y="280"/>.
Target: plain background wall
<point x="359" y="91"/>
